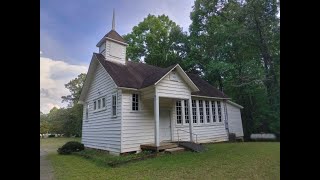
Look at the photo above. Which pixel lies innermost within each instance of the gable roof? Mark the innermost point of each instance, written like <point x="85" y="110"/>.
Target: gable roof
<point x="112" y="35"/>
<point x="206" y="89"/>
<point x="140" y="75"/>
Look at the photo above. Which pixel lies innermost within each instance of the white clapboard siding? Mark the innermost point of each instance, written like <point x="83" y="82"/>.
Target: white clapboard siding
<point x="207" y="132"/>
<point x="111" y="48"/>
<point x="234" y="120"/>
<point x="173" y="88"/>
<point x="147" y="93"/>
<point x="101" y="130"/>
<point x="137" y="126"/>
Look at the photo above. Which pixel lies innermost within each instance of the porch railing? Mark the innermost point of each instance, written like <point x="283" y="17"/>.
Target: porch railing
<point x="186" y="132"/>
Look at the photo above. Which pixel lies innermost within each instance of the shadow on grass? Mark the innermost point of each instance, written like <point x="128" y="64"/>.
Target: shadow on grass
<point x="103" y="159"/>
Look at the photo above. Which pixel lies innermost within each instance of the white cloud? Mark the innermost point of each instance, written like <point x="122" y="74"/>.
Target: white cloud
<point x="53" y="75"/>
<point x="40" y="52"/>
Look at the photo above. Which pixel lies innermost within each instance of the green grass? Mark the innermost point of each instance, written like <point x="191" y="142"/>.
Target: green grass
<point x="254" y="160"/>
<point x="52" y="144"/>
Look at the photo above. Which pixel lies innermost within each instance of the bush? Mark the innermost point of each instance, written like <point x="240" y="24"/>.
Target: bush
<point x="71" y="146"/>
<point x="232" y="137"/>
<point x="51" y="135"/>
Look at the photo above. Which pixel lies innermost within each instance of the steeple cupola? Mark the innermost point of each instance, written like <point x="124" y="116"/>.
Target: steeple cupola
<point x="112" y="46"/>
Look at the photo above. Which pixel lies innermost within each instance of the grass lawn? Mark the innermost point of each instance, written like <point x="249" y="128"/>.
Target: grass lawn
<point x="52" y="144"/>
<point x="249" y="160"/>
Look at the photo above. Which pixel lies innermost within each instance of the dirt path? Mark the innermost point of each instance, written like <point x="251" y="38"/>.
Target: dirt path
<point x="46" y="171"/>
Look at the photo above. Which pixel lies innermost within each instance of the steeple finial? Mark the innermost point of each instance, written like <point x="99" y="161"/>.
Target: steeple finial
<point x="113" y="22"/>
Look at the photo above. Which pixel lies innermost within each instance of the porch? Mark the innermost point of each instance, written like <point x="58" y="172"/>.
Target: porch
<point x="166" y="116"/>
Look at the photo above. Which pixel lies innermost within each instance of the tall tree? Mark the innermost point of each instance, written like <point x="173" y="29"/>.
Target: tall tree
<point x="74" y="86"/>
<point x="158" y="41"/>
<point x="225" y="38"/>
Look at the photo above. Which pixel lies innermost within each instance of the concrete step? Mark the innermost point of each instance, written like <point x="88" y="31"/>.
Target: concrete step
<point x="174" y="150"/>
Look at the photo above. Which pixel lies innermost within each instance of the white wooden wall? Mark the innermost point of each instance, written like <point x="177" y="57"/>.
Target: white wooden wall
<point x="234" y="120"/>
<point x="173" y="89"/>
<point x="115" y="52"/>
<point x="101" y="130"/>
<point x="137" y="126"/>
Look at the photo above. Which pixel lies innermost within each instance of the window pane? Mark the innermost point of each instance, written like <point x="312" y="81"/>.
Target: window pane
<point x="103" y="102"/>
<point x="207" y="112"/>
<point x="114" y="105"/>
<point x="135" y="102"/>
<point x="186" y="111"/>
<point x="94" y="105"/>
<point x="194" y="111"/>
<point x="219" y="111"/>
<point x="201" y="110"/>
<point x="178" y="110"/>
<point x="213" y="111"/>
<point x="99" y="104"/>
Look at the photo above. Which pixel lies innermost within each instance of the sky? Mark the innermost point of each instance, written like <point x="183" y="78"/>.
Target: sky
<point x="70" y="30"/>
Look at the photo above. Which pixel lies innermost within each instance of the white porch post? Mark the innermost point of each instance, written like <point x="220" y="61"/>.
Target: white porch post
<point x="156" y="118"/>
<point x="190" y="120"/>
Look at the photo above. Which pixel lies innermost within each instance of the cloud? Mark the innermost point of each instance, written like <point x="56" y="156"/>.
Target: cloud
<point x="53" y="75"/>
<point x="40" y="52"/>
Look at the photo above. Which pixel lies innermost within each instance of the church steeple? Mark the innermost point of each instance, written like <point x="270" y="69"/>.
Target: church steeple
<point x="113" y="22"/>
<point x="112" y="46"/>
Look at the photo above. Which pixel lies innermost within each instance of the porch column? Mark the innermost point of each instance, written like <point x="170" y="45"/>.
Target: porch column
<point x="190" y="120"/>
<point x="156" y="118"/>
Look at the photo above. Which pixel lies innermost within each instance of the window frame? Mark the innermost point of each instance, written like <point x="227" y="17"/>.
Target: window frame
<point x="137" y="102"/>
<point x="219" y="111"/>
<point x="214" y="111"/>
<point x="178" y="115"/>
<point x="207" y="106"/>
<point x="114" y="106"/>
<point x="104" y="103"/>
<point x="186" y="112"/>
<point x="194" y="116"/>
<point x="99" y="106"/>
<point x="201" y="108"/>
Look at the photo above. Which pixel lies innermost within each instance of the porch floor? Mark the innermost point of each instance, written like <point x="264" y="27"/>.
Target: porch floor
<point x="163" y="146"/>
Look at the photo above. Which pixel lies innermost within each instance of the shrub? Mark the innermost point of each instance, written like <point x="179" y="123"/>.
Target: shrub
<point x="71" y="146"/>
<point x="232" y="137"/>
<point x="51" y="135"/>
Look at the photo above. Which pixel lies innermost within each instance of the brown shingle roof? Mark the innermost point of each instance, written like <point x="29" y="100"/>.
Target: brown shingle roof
<point x="114" y="35"/>
<point x="140" y="75"/>
<point x="206" y="89"/>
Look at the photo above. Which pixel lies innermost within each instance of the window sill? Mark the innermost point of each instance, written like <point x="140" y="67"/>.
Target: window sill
<point x="200" y="125"/>
<point x="98" y="110"/>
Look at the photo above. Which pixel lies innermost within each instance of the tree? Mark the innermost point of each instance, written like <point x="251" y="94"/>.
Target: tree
<point x="67" y="121"/>
<point x="44" y="125"/>
<point x="74" y="86"/>
<point x="237" y="46"/>
<point x="158" y="41"/>
<point x="72" y="116"/>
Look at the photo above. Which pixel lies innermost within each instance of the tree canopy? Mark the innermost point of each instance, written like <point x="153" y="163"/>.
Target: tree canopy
<point x="158" y="41"/>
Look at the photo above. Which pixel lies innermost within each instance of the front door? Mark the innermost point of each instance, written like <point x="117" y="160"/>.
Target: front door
<point x="165" y="125"/>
